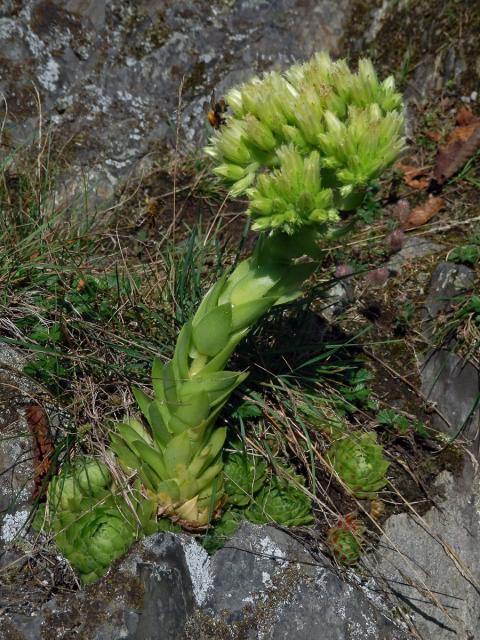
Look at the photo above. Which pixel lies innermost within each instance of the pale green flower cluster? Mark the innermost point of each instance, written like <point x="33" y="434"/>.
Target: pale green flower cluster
<point x="318" y="117"/>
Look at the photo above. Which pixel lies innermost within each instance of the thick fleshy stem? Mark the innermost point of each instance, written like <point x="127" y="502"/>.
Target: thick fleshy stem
<point x="179" y="458"/>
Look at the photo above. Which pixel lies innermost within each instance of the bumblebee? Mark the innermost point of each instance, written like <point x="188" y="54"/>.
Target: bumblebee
<point x="216" y="112"/>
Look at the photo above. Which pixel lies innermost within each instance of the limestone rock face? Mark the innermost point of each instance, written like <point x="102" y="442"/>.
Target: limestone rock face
<point x="432" y="562"/>
<point x="263" y="585"/>
<point x="108" y="74"/>
<point x="16" y="451"/>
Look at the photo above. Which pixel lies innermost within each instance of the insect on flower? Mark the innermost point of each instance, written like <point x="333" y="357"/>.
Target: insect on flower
<point x="215" y="113"/>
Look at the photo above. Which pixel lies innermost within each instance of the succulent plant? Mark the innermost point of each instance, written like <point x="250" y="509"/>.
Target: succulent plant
<point x="292" y="196"/>
<point x="346" y="127"/>
<point x="91" y="525"/>
<point x="178" y="455"/>
<point x="359" y="461"/>
<point x="302" y="145"/>
<point x="223" y="530"/>
<point x="346" y="538"/>
<point x="344" y="545"/>
<point x="245" y="475"/>
<point x="280" y="502"/>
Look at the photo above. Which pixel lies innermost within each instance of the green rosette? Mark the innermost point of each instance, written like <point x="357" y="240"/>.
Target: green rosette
<point x="91" y="525"/>
<point x="345" y="545"/>
<point x="359" y="461"/>
<point x="245" y="475"/>
<point x="280" y="502"/>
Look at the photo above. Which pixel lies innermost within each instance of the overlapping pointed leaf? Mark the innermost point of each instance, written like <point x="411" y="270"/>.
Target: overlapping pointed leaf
<point x="245" y="475"/>
<point x="345" y="545"/>
<point x="280" y="501"/>
<point x="93" y="526"/>
<point x="292" y="196"/>
<point x="359" y="461"/>
<point x="178" y="457"/>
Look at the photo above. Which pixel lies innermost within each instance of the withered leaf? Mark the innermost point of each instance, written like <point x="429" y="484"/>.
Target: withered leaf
<point x="462" y="143"/>
<point x="433" y="135"/>
<point x="464" y="116"/>
<point x="423" y="213"/>
<point x="43" y="446"/>
<point x="415" y="177"/>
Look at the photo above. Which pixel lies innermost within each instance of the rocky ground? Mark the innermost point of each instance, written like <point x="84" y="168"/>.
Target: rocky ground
<point x="122" y="85"/>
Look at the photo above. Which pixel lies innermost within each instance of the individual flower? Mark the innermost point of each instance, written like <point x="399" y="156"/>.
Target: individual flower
<point x="359" y="461"/>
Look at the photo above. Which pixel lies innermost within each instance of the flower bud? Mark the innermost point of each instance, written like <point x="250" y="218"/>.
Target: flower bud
<point x="378" y="277"/>
<point x="401" y="210"/>
<point x="231" y="172"/>
<point x="343" y="271"/>
<point x="395" y="240"/>
<point x="259" y="134"/>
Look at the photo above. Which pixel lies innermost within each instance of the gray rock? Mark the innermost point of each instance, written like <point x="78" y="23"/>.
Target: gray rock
<point x="413" y="249"/>
<point x="449" y="381"/>
<point x="264" y="585"/>
<point x="453" y="386"/>
<point x="432" y="564"/>
<point x="337" y="299"/>
<point x="448" y="282"/>
<point x="16" y="454"/>
<point x="109" y="74"/>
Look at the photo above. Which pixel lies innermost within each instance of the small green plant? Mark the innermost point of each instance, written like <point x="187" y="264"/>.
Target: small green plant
<point x="359" y="461"/>
<point x="404" y="319"/>
<point x="345" y="539"/>
<point x="252" y="494"/>
<point x="370" y="210"/>
<point x="356" y="390"/>
<point x="393" y="421"/>
<point x="466" y="254"/>
<point x="64" y="306"/>
<point x="280" y="501"/>
<point x="471" y="308"/>
<point x="91" y="522"/>
<point x="244" y="477"/>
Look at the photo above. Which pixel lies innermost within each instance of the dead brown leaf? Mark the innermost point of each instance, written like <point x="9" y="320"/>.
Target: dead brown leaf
<point x="415" y="177"/>
<point x="423" y="213"/>
<point x="436" y="136"/>
<point x="464" y="116"/>
<point x="462" y="143"/>
<point x="43" y="446"/>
